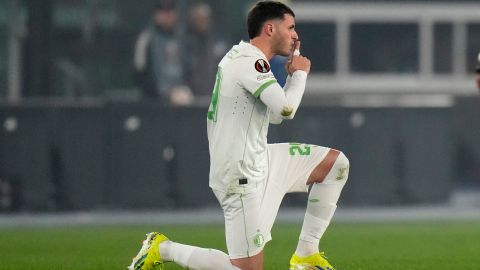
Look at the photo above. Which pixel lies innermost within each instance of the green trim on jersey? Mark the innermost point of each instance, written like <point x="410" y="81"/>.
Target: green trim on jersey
<point x="212" y="112"/>
<point x="263" y="87"/>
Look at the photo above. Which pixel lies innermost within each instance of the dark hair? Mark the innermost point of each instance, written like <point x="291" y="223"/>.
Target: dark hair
<point x="264" y="11"/>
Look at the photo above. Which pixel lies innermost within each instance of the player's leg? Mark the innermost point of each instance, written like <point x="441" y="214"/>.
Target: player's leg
<point x="244" y="235"/>
<point x="158" y="249"/>
<point x="291" y="167"/>
<point x="196" y="258"/>
<point x="326" y="181"/>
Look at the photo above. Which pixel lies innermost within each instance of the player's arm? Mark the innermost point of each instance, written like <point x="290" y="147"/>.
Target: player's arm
<point x="274" y="119"/>
<point x="284" y="104"/>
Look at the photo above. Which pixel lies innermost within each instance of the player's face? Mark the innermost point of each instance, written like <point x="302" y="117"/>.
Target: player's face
<point x="284" y="36"/>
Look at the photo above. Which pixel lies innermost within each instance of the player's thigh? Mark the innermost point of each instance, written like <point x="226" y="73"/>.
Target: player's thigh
<point x="243" y="231"/>
<point x="290" y="165"/>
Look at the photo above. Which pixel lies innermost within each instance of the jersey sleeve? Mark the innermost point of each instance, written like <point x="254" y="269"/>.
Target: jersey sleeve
<point x="283" y="103"/>
<point x="255" y="75"/>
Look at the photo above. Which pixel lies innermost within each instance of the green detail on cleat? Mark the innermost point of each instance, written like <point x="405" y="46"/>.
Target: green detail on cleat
<point x="149" y="258"/>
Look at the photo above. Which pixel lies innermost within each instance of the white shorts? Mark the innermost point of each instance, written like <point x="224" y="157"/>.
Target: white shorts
<point x="249" y="217"/>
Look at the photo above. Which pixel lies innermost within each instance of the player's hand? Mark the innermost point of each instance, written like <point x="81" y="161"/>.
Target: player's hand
<point x="297" y="61"/>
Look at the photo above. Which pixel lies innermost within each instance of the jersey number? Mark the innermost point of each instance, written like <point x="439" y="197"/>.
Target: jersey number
<point x="212" y="110"/>
<point x="302" y="150"/>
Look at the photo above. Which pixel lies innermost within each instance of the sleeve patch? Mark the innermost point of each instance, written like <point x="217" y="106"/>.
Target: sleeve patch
<point x="287" y="111"/>
<point x="262" y="66"/>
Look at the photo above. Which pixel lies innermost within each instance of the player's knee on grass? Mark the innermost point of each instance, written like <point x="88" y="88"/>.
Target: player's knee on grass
<point x="332" y="169"/>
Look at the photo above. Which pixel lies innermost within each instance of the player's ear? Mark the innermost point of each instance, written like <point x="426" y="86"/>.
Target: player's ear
<point x="268" y="28"/>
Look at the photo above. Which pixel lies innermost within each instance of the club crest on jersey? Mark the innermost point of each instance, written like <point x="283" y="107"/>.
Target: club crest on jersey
<point x="262" y="66"/>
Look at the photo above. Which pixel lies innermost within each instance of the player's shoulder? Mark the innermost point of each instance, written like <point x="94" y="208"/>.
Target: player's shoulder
<point x="245" y="52"/>
<point x="247" y="58"/>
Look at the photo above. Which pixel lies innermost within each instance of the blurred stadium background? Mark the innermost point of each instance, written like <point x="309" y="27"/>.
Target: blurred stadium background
<point x="392" y="86"/>
<point x="85" y="151"/>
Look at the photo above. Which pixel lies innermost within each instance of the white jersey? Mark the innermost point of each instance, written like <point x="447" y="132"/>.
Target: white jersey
<point x="238" y="120"/>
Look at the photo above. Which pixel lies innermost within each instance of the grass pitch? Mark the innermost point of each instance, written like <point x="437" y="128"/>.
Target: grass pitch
<point x="372" y="246"/>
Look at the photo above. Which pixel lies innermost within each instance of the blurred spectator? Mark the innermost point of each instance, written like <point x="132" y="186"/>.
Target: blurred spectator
<point x="477" y="70"/>
<point x="204" y="49"/>
<point x="158" y="61"/>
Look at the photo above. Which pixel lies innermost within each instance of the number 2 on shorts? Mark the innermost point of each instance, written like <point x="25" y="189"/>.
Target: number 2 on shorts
<point x="301" y="149"/>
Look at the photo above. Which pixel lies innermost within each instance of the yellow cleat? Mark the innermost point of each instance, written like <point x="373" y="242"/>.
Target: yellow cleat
<point x="315" y="261"/>
<point x="148" y="258"/>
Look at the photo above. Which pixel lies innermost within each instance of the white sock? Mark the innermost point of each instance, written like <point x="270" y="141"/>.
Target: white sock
<point x="322" y="203"/>
<point x="317" y="218"/>
<point x="195" y="258"/>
